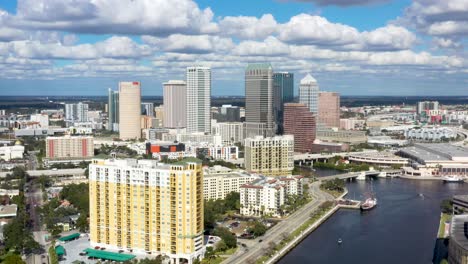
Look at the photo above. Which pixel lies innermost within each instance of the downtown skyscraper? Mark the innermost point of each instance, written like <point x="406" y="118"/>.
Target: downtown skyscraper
<point x="308" y="93"/>
<point x="329" y="110"/>
<point x="175" y="104"/>
<point x="129" y="110"/>
<point x="113" y="110"/>
<point x="283" y="83"/>
<point x="259" y="112"/>
<point x="198" y="99"/>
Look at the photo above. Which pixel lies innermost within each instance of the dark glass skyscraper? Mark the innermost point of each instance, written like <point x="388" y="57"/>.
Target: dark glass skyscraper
<point x="113" y="110"/>
<point x="283" y="83"/>
<point x="259" y="97"/>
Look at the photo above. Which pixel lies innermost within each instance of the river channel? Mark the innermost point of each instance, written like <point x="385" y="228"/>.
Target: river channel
<point x="401" y="229"/>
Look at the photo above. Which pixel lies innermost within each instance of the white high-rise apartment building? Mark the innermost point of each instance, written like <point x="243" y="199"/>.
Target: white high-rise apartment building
<point x="198" y="99"/>
<point x="230" y="132"/>
<point x="76" y="112"/>
<point x="129" y="110"/>
<point x="175" y="104"/>
<point x="272" y="156"/>
<point x="308" y="93"/>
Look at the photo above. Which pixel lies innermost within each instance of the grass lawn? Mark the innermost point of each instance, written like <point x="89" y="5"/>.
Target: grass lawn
<point x="443" y="218"/>
<point x="213" y="260"/>
<point x="227" y="252"/>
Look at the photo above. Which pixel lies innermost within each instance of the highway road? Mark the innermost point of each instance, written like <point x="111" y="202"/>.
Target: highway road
<point x="256" y="249"/>
<point x="34" y="201"/>
<point x="61" y="172"/>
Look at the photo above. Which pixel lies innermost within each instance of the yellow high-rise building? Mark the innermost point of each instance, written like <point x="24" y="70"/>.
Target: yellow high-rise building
<point x="147" y="207"/>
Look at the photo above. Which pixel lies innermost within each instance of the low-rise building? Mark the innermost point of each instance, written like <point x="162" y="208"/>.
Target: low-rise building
<point x="193" y="138"/>
<point x="8" y="153"/>
<point x="383" y="159"/>
<point x="460" y="204"/>
<point x="343" y="136"/>
<point x="219" y="152"/>
<point x="265" y="196"/>
<point x="8" y="211"/>
<point x="431" y="134"/>
<point x="218" y="185"/>
<point x="352" y="124"/>
<point x="329" y="147"/>
<point x="9" y="193"/>
<point x="442" y="159"/>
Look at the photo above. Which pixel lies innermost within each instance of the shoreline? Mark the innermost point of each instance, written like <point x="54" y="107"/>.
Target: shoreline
<point x="278" y="256"/>
<point x="297" y="240"/>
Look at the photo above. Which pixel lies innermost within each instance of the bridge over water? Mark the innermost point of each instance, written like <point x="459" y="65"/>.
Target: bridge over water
<point x="362" y="175"/>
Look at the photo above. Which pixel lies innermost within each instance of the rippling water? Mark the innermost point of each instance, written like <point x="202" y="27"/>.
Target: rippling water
<point x="401" y="229"/>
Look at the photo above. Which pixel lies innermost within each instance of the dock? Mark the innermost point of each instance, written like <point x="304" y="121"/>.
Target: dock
<point x="348" y="204"/>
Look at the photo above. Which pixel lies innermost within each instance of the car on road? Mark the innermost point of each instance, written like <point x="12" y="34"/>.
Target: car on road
<point x="261" y="240"/>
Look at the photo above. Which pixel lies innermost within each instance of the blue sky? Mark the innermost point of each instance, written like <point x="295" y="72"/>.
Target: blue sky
<point x="355" y="47"/>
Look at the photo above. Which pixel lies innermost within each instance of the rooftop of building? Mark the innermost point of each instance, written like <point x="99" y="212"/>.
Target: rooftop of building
<point x="436" y="151"/>
<point x="269" y="182"/>
<point x="8" y="210"/>
<point x="459" y="230"/>
<point x="258" y="66"/>
<point x="231" y="174"/>
<point x="68" y="136"/>
<point x="216" y="169"/>
<point x="174" y="82"/>
<point x="256" y="138"/>
<point x="308" y="79"/>
<point x="378" y="155"/>
<point x="463" y="197"/>
<point x="145" y="163"/>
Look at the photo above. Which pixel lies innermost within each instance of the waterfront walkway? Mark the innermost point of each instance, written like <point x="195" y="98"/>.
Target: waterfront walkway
<point x="277" y="233"/>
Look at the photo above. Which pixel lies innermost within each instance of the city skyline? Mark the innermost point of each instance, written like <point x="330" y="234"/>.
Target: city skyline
<point x="394" y="47"/>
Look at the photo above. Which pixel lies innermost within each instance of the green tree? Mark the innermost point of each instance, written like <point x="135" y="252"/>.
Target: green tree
<point x="13" y="259"/>
<point x="233" y="201"/>
<point x="221" y="246"/>
<point x="82" y="222"/>
<point x="446" y="206"/>
<point x="77" y="194"/>
<point x="258" y="229"/>
<point x="226" y="236"/>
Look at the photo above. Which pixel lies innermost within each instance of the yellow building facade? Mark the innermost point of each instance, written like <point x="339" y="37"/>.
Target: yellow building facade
<point x="271" y="156"/>
<point x="147" y="207"/>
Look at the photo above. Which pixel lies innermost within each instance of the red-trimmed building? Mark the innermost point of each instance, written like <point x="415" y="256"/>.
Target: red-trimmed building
<point x="70" y="148"/>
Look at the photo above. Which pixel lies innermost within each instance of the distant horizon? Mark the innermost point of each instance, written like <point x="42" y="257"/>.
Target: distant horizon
<point x="354" y="47"/>
<point x="295" y="96"/>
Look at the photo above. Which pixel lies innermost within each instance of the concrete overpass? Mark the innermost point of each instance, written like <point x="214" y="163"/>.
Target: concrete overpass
<point x="59" y="173"/>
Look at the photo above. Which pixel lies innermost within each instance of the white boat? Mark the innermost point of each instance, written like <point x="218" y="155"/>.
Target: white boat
<point x="453" y="178"/>
<point x="368" y="204"/>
